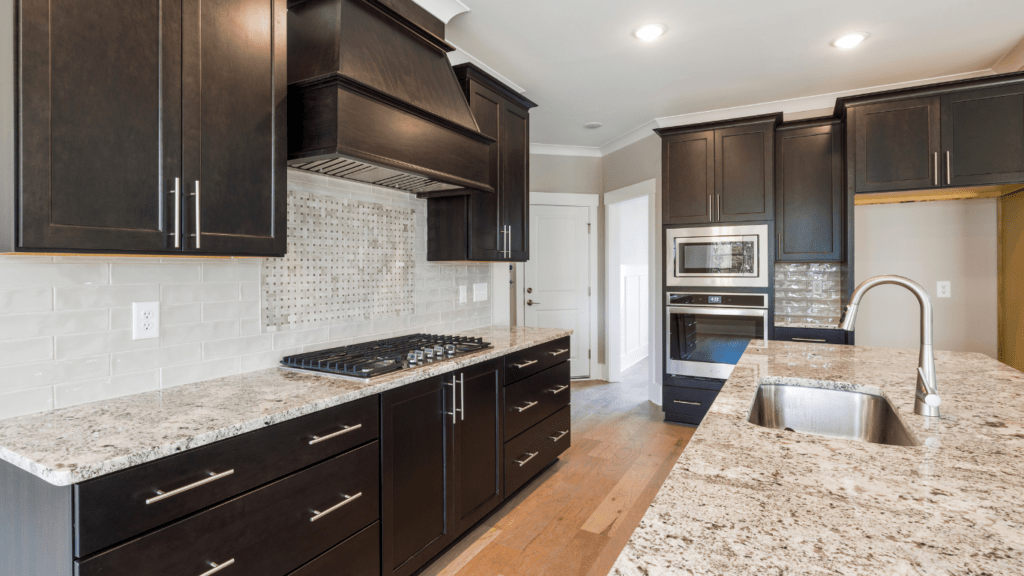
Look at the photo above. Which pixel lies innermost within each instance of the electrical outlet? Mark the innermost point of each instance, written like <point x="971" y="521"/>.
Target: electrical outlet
<point x="462" y="294"/>
<point x="479" y="292"/>
<point x="944" y="289"/>
<point x="145" y="320"/>
<point x="816" y="287"/>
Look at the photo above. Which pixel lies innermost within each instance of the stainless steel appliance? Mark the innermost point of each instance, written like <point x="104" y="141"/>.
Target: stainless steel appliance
<point x="717" y="256"/>
<point x="706" y="333"/>
<point x="371" y="359"/>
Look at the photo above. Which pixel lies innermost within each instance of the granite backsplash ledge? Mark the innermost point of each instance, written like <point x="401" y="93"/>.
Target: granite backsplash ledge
<point x="797" y="302"/>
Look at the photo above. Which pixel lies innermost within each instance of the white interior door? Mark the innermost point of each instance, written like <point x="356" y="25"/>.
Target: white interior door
<point x="558" y="276"/>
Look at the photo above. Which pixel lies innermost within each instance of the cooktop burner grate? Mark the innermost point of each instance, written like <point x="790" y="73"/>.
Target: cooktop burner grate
<point x="381" y="357"/>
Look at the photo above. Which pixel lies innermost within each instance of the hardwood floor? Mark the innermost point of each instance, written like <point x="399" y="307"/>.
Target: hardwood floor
<point x="577" y="516"/>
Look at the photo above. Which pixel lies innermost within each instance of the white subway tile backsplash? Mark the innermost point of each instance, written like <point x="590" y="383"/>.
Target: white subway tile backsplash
<point x="27" y="401"/>
<point x="190" y="293"/>
<point x="249" y="326"/>
<point x="24" y="300"/>
<point x="48" y="274"/>
<point x="90" y="344"/>
<point x="135" y="273"/>
<point x="293" y="338"/>
<point x="53" y="372"/>
<point x="14" y="326"/>
<point x="78" y="297"/>
<point x="231" y="310"/>
<point x="74" y="393"/>
<point x="236" y="272"/>
<point x="165" y="356"/>
<point x="189" y="373"/>
<point x="199" y="332"/>
<point x="237" y="346"/>
<point x="25" y="350"/>
<point x="270" y="359"/>
<point x="250" y="290"/>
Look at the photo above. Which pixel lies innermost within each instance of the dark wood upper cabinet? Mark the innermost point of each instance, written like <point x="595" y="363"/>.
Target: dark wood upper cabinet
<point x="120" y="104"/>
<point x="809" y="206"/>
<point x="489" y="227"/>
<point x="896" y="145"/>
<point x="983" y="136"/>
<point x="720" y="172"/>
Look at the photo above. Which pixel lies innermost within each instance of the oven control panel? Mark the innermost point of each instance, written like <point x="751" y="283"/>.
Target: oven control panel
<point x="728" y="300"/>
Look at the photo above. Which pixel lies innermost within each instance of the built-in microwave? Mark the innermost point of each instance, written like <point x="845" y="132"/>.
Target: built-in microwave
<point x="719" y="256"/>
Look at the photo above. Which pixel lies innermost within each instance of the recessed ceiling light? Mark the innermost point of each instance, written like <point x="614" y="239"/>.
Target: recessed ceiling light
<point x="649" y="32"/>
<point x="593" y="125"/>
<point x="850" y="40"/>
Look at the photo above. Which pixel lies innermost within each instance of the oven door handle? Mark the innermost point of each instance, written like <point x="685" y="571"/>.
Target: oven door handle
<point x="712" y="311"/>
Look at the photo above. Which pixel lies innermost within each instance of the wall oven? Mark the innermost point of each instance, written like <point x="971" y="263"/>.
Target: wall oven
<point x="707" y="333"/>
<point x="718" y="256"/>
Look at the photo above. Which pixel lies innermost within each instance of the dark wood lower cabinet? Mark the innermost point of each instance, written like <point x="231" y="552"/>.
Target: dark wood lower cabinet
<point x="357" y="556"/>
<point x="478" y="443"/>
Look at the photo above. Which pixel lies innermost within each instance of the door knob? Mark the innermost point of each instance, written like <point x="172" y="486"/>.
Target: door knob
<point x="531" y="302"/>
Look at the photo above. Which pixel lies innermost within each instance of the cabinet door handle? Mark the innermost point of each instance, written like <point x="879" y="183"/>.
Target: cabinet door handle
<point x="523" y="462"/>
<point x="949" y="169"/>
<point x="719" y="207"/>
<point x="462" y="387"/>
<point x="525" y="408"/>
<point x="345" y="430"/>
<point x="165" y="495"/>
<point x="936" y="168"/>
<point x="217" y="567"/>
<point x="779" y="249"/>
<point x="177" y="212"/>
<point x="455" y="402"/>
<point x="199" y="227"/>
<point x="347" y="500"/>
<point x="559" y="390"/>
<point x="687" y="403"/>
<point x="809" y="340"/>
<point x="559" y="352"/>
<point x="525" y="364"/>
<point x="711" y="203"/>
<point x="560" y="436"/>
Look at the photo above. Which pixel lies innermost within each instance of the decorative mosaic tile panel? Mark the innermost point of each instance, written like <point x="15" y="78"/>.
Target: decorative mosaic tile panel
<point x="348" y="261"/>
<point x="795" y="300"/>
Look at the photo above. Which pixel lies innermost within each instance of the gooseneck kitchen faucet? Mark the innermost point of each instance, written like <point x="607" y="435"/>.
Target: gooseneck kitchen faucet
<point x="927" y="396"/>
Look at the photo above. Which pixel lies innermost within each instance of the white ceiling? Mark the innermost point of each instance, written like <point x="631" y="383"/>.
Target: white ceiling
<point x="579" y="62"/>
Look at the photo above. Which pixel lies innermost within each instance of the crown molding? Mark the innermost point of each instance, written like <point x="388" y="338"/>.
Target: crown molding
<point x="460" y="56"/>
<point x="1012" y="61"/>
<point x="632" y="137"/>
<point x="443" y="10"/>
<point x="559" y="150"/>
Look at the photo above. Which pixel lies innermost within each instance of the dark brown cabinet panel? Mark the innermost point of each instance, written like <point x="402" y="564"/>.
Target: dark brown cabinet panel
<point x="689" y="176"/>
<point x="418" y="438"/>
<point x="809" y="207"/>
<point x="123" y="104"/>
<point x="489" y="227"/>
<point x="896" y="145"/>
<point x="478" y="443"/>
<point x="744" y="172"/>
<point x="983" y="136"/>
<point x="100" y="120"/>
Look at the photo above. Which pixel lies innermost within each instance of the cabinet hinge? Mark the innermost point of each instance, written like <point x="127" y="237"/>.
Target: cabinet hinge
<point x="588" y="290"/>
<point x="588" y="354"/>
<point x="588" y="227"/>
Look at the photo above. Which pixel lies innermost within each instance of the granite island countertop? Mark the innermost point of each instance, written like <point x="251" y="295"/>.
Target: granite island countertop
<point x="743" y="499"/>
<point x="806" y="325"/>
<point x="75" y="444"/>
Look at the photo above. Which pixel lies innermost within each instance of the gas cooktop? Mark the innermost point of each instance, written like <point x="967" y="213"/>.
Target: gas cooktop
<point x="381" y="357"/>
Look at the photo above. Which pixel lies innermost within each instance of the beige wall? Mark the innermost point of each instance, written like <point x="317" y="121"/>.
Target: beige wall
<point x="567" y="174"/>
<point x="1011" y="297"/>
<point x="928" y="242"/>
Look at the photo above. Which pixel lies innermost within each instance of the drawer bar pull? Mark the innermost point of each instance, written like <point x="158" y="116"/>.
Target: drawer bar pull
<point x="523" y="462"/>
<point x="560" y="436"/>
<point x="530" y="363"/>
<point x="165" y="495"/>
<point x="809" y="340"/>
<point x="346" y="430"/>
<point x="687" y="403"/>
<point x="558" y="352"/>
<point x="217" y="567"/>
<point x="319" y="515"/>
<point x="562" y="389"/>
<point x="525" y="408"/>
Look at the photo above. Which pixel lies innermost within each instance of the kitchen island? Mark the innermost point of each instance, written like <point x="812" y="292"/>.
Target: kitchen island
<point x="744" y="499"/>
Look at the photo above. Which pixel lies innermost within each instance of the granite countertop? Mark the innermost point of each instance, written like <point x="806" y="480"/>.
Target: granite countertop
<point x="743" y="499"/>
<point x="74" y="444"/>
<point x="807" y="325"/>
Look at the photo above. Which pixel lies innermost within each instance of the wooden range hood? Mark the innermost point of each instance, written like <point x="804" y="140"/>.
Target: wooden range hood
<point x="373" y="98"/>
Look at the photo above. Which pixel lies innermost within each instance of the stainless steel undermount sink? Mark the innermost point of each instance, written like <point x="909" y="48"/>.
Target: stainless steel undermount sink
<point x="825" y="412"/>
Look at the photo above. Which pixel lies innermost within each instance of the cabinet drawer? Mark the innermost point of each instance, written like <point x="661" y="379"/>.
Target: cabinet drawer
<point x="357" y="556"/>
<point x="810" y="335"/>
<point x="533" y="450"/>
<point x="526" y="363"/>
<point x="689" y="382"/>
<point x="686" y="405"/>
<point x="114" y="508"/>
<point x="268" y="532"/>
<point x="529" y="401"/>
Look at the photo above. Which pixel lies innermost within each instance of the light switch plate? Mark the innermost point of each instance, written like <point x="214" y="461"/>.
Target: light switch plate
<point x="462" y="294"/>
<point x="479" y="292"/>
<point x="944" y="289"/>
<point x="145" y="320"/>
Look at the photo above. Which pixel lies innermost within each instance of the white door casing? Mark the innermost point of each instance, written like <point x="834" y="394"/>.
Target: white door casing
<point x="557" y="277"/>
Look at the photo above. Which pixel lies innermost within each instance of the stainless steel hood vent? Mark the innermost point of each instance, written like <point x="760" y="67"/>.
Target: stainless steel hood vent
<point x="372" y="97"/>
